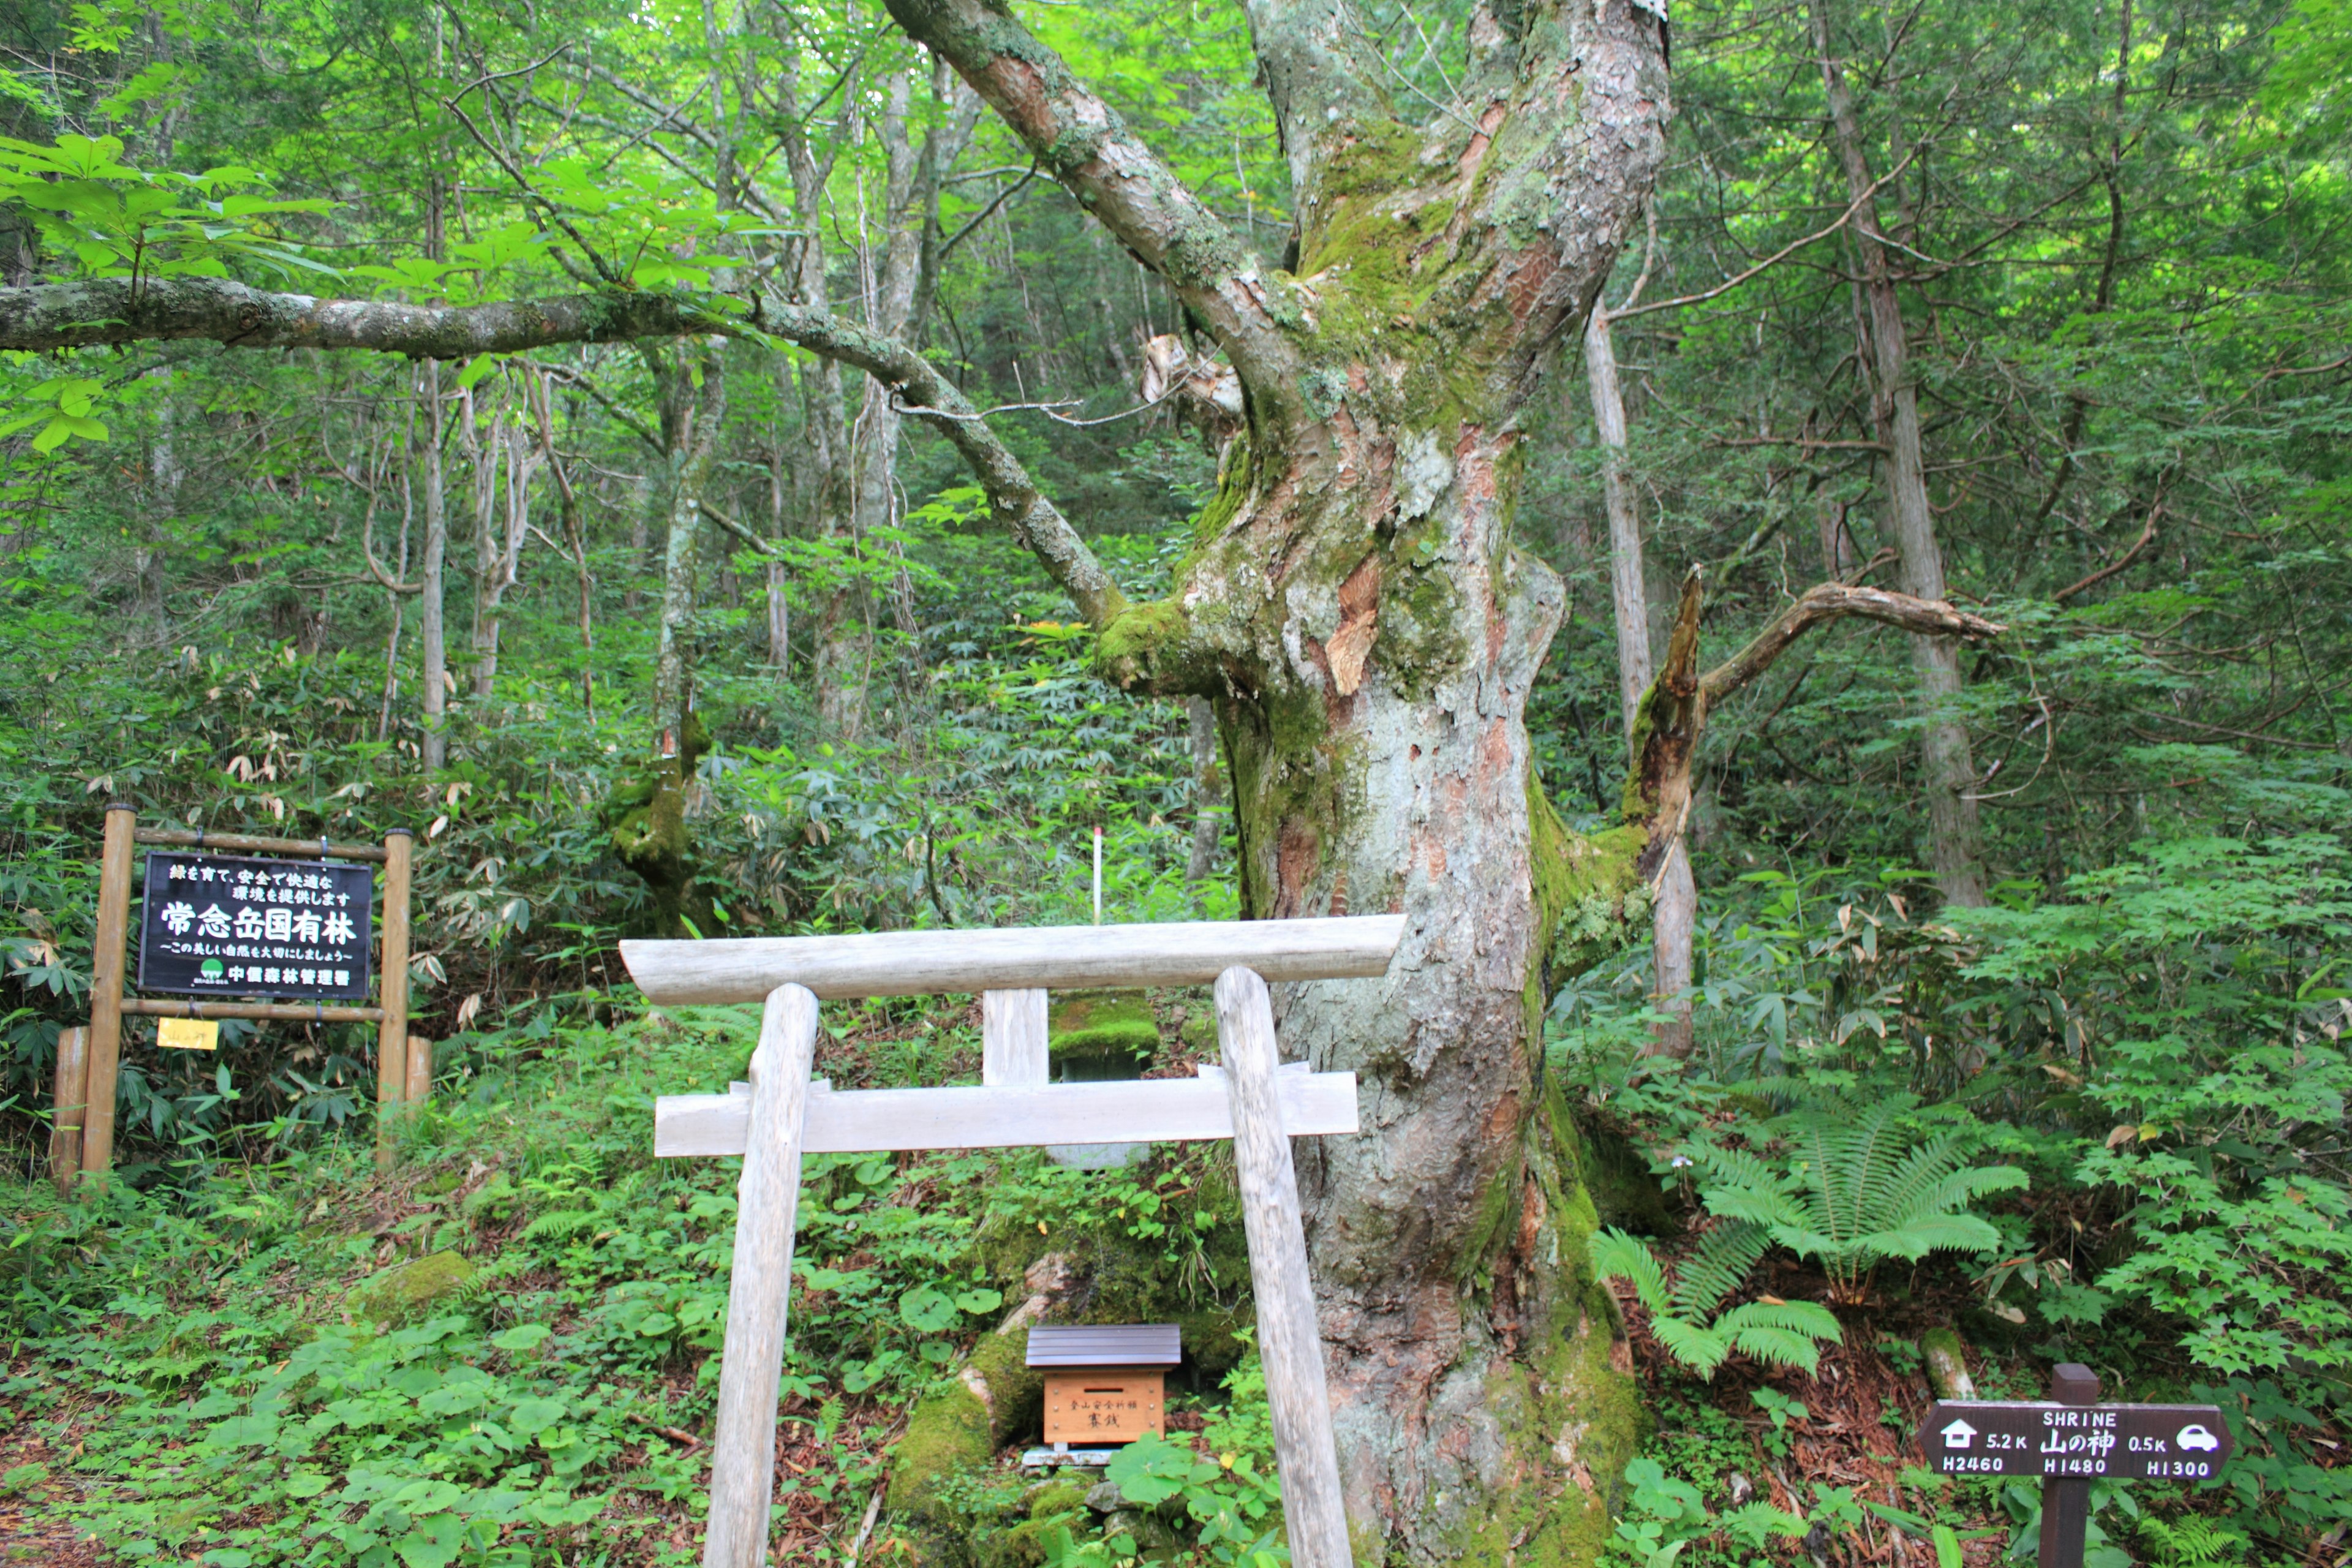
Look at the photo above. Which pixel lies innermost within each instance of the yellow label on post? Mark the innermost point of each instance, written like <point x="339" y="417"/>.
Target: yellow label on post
<point x="188" y="1034"/>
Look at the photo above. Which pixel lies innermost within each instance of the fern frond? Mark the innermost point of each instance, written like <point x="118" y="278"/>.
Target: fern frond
<point x="1855" y="1151"/>
<point x="1752" y="1521"/>
<point x="1785" y="1333"/>
<point x="1717" y="1267"/>
<point x="1777" y="1347"/>
<point x="1617" y="1255"/>
<point x="1917" y="1177"/>
<point x="1810" y="1319"/>
<point x="1929" y="1233"/>
<point x="1734" y="1170"/>
<point x="1961" y="1188"/>
<point x="560" y="1225"/>
<point x="1700" y="1349"/>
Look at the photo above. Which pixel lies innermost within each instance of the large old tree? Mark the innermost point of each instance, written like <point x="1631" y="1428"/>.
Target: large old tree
<point x="1361" y="621"/>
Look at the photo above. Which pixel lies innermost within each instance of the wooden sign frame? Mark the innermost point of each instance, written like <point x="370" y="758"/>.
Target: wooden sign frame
<point x="1252" y="1098"/>
<point x="83" y="1146"/>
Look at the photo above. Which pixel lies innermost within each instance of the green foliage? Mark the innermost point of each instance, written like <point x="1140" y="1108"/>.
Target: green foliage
<point x="1689" y="1319"/>
<point x="1851" y="1190"/>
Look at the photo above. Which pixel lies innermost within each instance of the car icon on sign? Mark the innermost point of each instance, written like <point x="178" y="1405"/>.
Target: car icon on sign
<point x="2195" y="1437"/>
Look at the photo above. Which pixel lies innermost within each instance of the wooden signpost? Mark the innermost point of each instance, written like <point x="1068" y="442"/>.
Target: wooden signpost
<point x="1253" y="1098"/>
<point x="204" y="944"/>
<point x="2070" y="1440"/>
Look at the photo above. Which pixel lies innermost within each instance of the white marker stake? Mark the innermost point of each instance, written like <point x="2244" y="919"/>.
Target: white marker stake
<point x="1097" y="876"/>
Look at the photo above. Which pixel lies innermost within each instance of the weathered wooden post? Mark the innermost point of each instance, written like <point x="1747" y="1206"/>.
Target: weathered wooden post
<point x="2066" y="1499"/>
<point x="67" y="1103"/>
<point x="1014" y="1032"/>
<point x="420" y="1071"/>
<point x="1290" y="1345"/>
<point x="392" y="1066"/>
<point x="106" y="991"/>
<point x="743" y="1441"/>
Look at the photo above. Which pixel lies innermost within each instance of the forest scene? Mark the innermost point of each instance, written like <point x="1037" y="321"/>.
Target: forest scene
<point x="1803" y="548"/>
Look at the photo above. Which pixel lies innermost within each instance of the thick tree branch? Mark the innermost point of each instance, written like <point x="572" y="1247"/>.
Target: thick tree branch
<point x="1014" y="497"/>
<point x="1835" y="601"/>
<point x="1085" y="144"/>
<point x="1673" y="711"/>
<point x="112" y="311"/>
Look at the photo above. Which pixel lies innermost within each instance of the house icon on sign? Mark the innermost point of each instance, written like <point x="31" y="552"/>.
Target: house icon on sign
<point x="1960" y="1435"/>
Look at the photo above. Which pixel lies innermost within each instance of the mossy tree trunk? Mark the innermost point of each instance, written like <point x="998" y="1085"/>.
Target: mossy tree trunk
<point x="1358" y="615"/>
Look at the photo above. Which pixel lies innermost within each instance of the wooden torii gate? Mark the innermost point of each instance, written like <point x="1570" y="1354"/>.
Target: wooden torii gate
<point x="782" y="1114"/>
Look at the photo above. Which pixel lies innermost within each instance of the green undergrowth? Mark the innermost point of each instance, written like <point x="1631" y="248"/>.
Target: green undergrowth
<point x="502" y="1354"/>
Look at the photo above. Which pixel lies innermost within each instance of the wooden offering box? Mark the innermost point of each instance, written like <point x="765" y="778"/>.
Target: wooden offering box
<point x="1105" y="1384"/>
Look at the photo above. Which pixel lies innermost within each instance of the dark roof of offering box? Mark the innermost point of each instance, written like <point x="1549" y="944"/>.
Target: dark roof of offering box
<point x="1106" y="1344"/>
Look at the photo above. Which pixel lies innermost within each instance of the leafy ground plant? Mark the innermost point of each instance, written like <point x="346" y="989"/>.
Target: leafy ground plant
<point x="1688" y="1317"/>
<point x="1852" y="1190"/>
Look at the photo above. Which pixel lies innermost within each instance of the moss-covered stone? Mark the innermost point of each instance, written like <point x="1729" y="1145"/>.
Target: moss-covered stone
<point x="1013" y="1390"/>
<point x="1100" y="1034"/>
<point x="1947" y="1356"/>
<point x="406" y="1293"/>
<point x="946" y="1433"/>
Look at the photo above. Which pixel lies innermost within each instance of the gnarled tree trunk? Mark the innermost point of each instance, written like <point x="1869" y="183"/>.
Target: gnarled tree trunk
<point x="1368" y="632"/>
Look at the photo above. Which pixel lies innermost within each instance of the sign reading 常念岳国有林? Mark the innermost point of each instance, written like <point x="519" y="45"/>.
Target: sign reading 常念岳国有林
<point x="216" y="925"/>
<point x="2040" y="1437"/>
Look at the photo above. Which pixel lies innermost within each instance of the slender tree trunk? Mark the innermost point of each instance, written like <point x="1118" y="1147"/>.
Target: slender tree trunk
<point x="426" y="457"/>
<point x="482" y="460"/>
<point x="1674" y="910"/>
<point x="1955" y="842"/>
<point x="165" y="472"/>
<point x="898" y="306"/>
<point x="690" y="420"/>
<point x="1629" y="596"/>
<point x="575" y="532"/>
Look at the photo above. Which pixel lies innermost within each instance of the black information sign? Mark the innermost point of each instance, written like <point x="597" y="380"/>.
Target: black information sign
<point x="2042" y="1438"/>
<point x="215" y="925"/>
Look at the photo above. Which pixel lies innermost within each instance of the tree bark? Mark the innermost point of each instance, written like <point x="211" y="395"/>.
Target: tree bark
<point x="109" y="311"/>
<point x="1674" y="910"/>
<point x="426" y="457"/>
<point x="1955" y="841"/>
<point x="691" y="390"/>
<point x="1367" y="632"/>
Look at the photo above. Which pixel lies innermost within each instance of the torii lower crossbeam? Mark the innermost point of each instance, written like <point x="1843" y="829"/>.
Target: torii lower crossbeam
<point x="782" y="1113"/>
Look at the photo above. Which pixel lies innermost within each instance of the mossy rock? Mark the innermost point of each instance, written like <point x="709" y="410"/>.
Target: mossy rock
<point x="398" y="1296"/>
<point x="947" y="1434"/>
<point x="1016" y="1391"/>
<point x="1095" y="1034"/>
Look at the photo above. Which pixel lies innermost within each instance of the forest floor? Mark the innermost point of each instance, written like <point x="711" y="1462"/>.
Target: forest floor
<point x="503" y="1348"/>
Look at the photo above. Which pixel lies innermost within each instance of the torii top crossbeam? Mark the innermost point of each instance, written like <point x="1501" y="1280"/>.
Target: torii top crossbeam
<point x="783" y="1112"/>
<point x="1012" y="958"/>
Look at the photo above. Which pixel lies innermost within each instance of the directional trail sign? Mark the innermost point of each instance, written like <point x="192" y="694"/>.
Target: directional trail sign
<point x="2070" y="1440"/>
<point x="2043" y="1438"/>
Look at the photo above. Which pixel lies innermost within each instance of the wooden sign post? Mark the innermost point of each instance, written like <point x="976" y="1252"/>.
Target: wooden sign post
<point x="93" y="1095"/>
<point x="1253" y="1098"/>
<point x="2069" y="1440"/>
